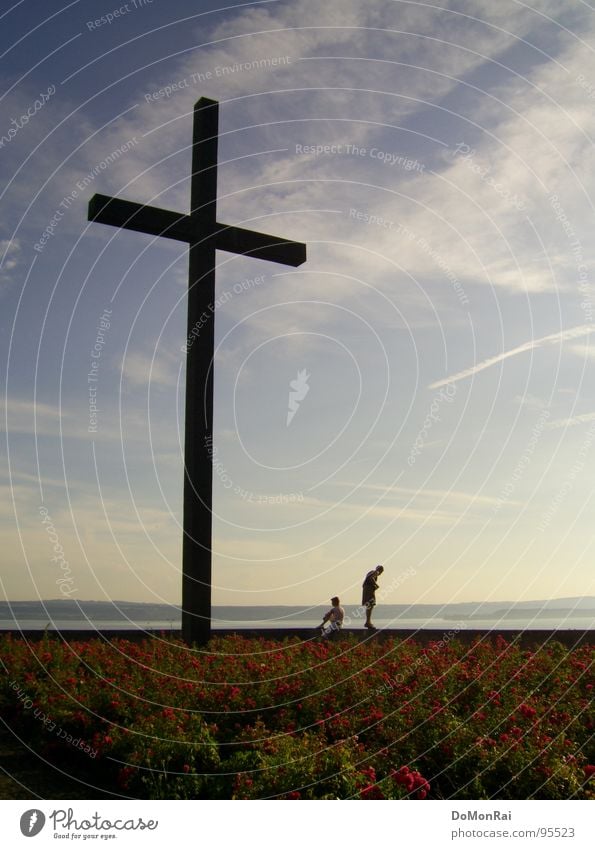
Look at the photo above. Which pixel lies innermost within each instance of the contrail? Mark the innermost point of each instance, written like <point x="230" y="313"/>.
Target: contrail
<point x="559" y="423"/>
<point x="572" y="333"/>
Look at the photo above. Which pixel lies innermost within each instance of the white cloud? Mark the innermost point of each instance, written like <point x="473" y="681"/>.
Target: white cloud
<point x="331" y="87"/>
<point x="531" y="402"/>
<point x="21" y="416"/>
<point x="143" y="370"/>
<point x="10" y="255"/>
<point x="587" y="351"/>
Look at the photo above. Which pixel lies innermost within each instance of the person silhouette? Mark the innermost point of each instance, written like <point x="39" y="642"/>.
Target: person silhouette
<point x="369" y="588"/>
<point x="334" y="617"/>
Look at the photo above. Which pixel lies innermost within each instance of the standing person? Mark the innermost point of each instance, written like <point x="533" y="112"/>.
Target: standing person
<point x="369" y="588"/>
<point x="335" y="617"/>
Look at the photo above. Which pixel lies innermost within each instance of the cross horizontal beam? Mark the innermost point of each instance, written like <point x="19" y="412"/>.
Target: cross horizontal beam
<point x="184" y="228"/>
<point x="257" y="245"/>
<point x="143" y="219"/>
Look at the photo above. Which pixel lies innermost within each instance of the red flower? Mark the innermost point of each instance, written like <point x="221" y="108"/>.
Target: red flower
<point x="400" y="774"/>
<point x="589" y="771"/>
<point x="371" y="792"/>
<point x="124" y="776"/>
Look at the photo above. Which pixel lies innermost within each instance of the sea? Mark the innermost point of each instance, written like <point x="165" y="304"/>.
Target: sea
<point x="577" y="614"/>
<point x="549" y="624"/>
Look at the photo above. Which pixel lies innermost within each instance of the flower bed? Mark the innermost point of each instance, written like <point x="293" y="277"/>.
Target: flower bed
<point x="254" y="718"/>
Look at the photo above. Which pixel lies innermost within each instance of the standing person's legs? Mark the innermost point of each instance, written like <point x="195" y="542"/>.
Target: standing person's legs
<point x="369" y="608"/>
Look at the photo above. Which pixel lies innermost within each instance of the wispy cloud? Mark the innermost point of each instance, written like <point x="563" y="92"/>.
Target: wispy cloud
<point x="10" y="252"/>
<point x="531" y="402"/>
<point x="22" y="416"/>
<point x="583" y="351"/>
<point x="425" y="516"/>
<point x="552" y="338"/>
<point x="142" y="370"/>
<point x="574" y="420"/>
<point x="452" y="495"/>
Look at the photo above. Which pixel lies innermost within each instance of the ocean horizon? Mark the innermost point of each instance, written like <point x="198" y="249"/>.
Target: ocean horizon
<point x="543" y="624"/>
<point x="67" y="614"/>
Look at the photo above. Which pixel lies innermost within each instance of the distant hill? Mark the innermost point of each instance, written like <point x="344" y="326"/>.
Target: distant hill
<point x="69" y="609"/>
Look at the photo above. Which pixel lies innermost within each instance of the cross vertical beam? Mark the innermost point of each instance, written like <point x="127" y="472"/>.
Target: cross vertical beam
<point x="201" y="231"/>
<point x="198" y="429"/>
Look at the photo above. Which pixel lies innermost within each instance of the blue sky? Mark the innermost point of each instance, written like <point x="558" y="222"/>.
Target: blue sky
<point x="438" y="161"/>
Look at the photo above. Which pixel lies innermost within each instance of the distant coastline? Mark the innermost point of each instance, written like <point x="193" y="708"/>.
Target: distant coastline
<point x="61" y="613"/>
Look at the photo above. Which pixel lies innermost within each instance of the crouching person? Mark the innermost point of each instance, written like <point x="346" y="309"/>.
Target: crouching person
<point x="332" y="621"/>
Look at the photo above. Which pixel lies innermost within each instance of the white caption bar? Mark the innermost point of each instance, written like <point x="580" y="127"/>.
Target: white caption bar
<point x="266" y="825"/>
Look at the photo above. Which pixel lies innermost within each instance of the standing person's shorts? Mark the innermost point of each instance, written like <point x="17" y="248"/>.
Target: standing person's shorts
<point x="368" y="600"/>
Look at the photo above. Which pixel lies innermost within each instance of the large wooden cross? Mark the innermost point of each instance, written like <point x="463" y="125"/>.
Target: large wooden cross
<point x="204" y="235"/>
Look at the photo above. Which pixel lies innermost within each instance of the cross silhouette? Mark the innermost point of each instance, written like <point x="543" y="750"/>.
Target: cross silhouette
<point x="204" y="235"/>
